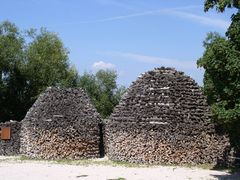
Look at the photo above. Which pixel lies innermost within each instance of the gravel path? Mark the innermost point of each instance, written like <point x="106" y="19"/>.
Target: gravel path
<point x="33" y="170"/>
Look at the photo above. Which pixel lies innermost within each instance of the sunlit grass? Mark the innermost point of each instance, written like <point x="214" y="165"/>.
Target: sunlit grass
<point x="106" y="162"/>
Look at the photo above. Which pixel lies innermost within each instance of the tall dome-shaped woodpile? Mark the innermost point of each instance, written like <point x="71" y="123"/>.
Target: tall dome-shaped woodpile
<point x="164" y="118"/>
<point x="62" y="123"/>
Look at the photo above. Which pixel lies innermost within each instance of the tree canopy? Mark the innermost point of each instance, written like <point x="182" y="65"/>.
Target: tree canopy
<point x="30" y="61"/>
<point x="220" y="5"/>
<point x="103" y="90"/>
<point x="221" y="61"/>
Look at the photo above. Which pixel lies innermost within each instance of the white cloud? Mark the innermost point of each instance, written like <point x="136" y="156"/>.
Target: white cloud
<point x="139" y="14"/>
<point x="179" y="12"/>
<point x="215" y="22"/>
<point x="199" y="19"/>
<point x="102" y="65"/>
<point x="179" y="64"/>
<point x="204" y="20"/>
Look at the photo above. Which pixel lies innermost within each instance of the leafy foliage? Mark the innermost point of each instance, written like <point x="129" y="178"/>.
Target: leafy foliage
<point x="221" y="61"/>
<point x="221" y="4"/>
<point x="29" y="62"/>
<point x="103" y="90"/>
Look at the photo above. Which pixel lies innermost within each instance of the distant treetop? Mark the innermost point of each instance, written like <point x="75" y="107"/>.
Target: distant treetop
<point x="221" y="4"/>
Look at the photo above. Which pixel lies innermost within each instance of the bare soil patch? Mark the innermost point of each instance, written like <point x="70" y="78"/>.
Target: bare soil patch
<point x="16" y="168"/>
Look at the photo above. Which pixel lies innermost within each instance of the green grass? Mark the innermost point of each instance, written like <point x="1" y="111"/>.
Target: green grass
<point x="107" y="162"/>
<point x="120" y="178"/>
<point x="201" y="166"/>
<point x="83" y="162"/>
<point x="104" y="162"/>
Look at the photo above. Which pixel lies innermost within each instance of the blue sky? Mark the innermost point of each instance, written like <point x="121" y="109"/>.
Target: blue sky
<point x="129" y="36"/>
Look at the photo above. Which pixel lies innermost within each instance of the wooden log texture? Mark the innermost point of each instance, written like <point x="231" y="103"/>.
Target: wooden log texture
<point x="164" y="118"/>
<point x="62" y="123"/>
<point x="12" y="146"/>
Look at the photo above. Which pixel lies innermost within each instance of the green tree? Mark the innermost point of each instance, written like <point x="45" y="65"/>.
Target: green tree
<point x="12" y="79"/>
<point x="48" y="64"/>
<point x="221" y="61"/>
<point x="30" y="62"/>
<point x="103" y="90"/>
<point x="221" y="4"/>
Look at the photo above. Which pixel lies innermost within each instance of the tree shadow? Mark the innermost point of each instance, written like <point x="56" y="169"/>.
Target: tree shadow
<point x="231" y="154"/>
<point x="230" y="176"/>
<point x="231" y="165"/>
<point x="229" y="162"/>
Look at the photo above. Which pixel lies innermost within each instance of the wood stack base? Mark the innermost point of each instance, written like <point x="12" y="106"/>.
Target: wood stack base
<point x="61" y="124"/>
<point x="164" y="118"/>
<point x="10" y="147"/>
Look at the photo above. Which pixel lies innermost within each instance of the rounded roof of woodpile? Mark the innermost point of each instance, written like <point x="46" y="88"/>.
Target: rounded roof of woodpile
<point x="71" y="104"/>
<point x="162" y="96"/>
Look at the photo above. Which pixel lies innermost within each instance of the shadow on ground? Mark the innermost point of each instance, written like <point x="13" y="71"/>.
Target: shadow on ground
<point x="231" y="162"/>
<point x="231" y="176"/>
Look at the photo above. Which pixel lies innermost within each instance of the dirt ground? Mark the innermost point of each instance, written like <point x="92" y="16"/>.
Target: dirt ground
<point x="17" y="169"/>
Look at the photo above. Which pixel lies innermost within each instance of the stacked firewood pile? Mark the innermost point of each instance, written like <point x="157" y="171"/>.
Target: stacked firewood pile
<point x="62" y="123"/>
<point x="164" y="118"/>
<point x="10" y="146"/>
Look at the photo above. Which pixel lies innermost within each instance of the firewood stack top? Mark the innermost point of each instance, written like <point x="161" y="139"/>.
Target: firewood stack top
<point x="164" y="118"/>
<point x="62" y="123"/>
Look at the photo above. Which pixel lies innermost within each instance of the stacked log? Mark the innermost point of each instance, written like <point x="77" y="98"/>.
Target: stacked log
<point x="62" y="123"/>
<point x="11" y="147"/>
<point x="164" y="118"/>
